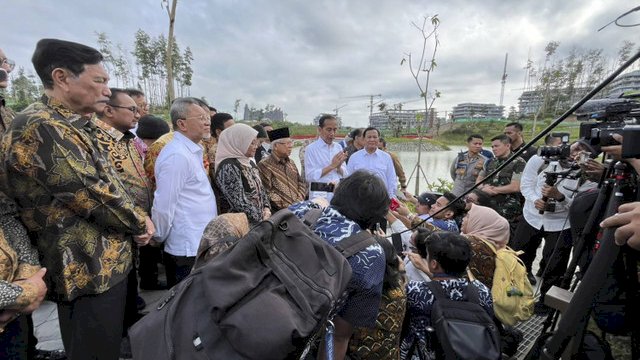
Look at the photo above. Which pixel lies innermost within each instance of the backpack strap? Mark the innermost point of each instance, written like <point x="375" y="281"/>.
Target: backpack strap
<point x="311" y="217"/>
<point x="472" y="293"/>
<point x="437" y="290"/>
<point x="351" y="245"/>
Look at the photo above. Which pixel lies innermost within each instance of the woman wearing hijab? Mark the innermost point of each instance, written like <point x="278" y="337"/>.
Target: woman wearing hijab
<point x="479" y="225"/>
<point x="219" y="235"/>
<point x="237" y="178"/>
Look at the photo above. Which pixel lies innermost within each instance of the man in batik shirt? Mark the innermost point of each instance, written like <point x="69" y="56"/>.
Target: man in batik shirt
<point x="279" y="174"/>
<point x="71" y="199"/>
<point x="115" y="138"/>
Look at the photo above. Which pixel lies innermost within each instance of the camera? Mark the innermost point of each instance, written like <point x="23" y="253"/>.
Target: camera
<point x="601" y="118"/>
<point x="560" y="152"/>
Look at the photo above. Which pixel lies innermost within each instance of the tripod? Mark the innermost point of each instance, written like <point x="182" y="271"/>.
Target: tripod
<point x="572" y="324"/>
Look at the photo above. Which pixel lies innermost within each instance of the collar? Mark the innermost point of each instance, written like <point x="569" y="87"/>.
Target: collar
<point x="110" y="130"/>
<point x="280" y="160"/>
<point x="371" y="154"/>
<point x="77" y="120"/>
<point x="191" y="146"/>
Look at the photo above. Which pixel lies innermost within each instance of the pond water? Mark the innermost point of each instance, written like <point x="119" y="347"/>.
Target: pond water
<point x="434" y="165"/>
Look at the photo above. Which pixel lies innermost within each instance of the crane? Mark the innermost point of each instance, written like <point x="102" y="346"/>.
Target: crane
<point x="365" y="96"/>
<point x="338" y="108"/>
<point x="504" y="78"/>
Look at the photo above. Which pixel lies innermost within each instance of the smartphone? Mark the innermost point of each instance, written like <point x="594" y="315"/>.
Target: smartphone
<point x="326" y="187"/>
<point x="396" y="239"/>
<point x="394" y="205"/>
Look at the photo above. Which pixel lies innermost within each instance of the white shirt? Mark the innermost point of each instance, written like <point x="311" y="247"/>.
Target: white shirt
<point x="378" y="163"/>
<point x="413" y="274"/>
<point x="184" y="202"/>
<point x="531" y="184"/>
<point x="317" y="157"/>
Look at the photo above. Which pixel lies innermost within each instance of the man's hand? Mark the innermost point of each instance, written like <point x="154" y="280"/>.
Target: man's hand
<point x="628" y="220"/>
<point x="551" y="192"/>
<point x="402" y="209"/>
<point x="539" y="204"/>
<point x="36" y="280"/>
<point x="490" y="190"/>
<point x="615" y="150"/>
<point x="143" y="239"/>
<point x="390" y="217"/>
<point x="266" y="213"/>
<point x="338" y="159"/>
<point x="418" y="262"/>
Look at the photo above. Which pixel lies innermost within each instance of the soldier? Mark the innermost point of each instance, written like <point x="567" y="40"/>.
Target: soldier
<point x="504" y="187"/>
<point x="468" y="165"/>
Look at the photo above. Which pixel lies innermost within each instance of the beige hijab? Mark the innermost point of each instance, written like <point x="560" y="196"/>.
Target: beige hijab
<point x="221" y="233"/>
<point x="234" y="143"/>
<point x="487" y="223"/>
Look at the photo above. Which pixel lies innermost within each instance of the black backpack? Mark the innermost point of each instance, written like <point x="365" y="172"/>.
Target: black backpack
<point x="266" y="297"/>
<point x="463" y="328"/>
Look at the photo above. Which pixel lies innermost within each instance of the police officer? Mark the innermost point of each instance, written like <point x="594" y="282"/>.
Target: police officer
<point x="468" y="165"/>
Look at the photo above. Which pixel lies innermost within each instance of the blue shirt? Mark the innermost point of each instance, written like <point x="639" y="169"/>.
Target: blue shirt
<point x="368" y="266"/>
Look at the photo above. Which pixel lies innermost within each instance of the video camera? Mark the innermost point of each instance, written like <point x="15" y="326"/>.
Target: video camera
<point x="560" y="152"/>
<point x="604" y="117"/>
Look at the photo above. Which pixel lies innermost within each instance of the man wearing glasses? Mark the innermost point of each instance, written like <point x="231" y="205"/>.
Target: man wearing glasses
<point x="6" y="115"/>
<point x="183" y="202"/>
<point x="115" y="139"/>
<point x="72" y="201"/>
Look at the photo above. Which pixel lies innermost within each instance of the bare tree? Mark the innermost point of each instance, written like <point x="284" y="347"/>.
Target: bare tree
<point x="421" y="72"/>
<point x="172" y="19"/>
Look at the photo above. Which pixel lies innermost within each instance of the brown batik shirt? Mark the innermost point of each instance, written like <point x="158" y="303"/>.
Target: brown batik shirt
<point x="282" y="181"/>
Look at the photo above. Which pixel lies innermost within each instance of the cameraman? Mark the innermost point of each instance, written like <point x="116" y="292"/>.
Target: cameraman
<point x="553" y="224"/>
<point x="628" y="217"/>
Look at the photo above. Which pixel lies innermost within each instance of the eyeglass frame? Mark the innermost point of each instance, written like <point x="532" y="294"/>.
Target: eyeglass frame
<point x="11" y="63"/>
<point x="202" y="117"/>
<point x="133" y="109"/>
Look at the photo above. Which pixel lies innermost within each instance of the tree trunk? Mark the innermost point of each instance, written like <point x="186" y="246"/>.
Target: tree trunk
<point x="172" y="20"/>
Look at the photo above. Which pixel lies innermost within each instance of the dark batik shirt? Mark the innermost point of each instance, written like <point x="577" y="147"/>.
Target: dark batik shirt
<point x="126" y="159"/>
<point x="282" y="182"/>
<point x="368" y="266"/>
<point x="70" y="199"/>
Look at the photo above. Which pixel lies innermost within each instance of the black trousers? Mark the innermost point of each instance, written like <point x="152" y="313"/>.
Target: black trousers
<point x="149" y="257"/>
<point x="91" y="325"/>
<point x="177" y="267"/>
<point x="17" y="341"/>
<point x="555" y="254"/>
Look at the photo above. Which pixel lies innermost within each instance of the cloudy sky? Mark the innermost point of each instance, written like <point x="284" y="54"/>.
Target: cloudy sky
<point x="309" y="56"/>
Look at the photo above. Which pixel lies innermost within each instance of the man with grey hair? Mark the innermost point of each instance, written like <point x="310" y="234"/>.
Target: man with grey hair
<point x="184" y="202"/>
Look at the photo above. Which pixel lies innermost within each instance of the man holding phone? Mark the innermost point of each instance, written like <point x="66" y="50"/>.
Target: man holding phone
<point x="6" y="114"/>
<point x="324" y="160"/>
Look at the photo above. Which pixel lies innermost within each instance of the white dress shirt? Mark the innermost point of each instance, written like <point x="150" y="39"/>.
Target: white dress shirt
<point x="317" y="157"/>
<point x="184" y="202"/>
<point x="378" y="163"/>
<point x="531" y="184"/>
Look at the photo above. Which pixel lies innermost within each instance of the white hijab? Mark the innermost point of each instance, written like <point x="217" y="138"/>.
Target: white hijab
<point x="234" y="143"/>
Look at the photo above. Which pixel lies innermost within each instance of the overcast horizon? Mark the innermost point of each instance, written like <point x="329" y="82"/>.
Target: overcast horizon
<point x="307" y="58"/>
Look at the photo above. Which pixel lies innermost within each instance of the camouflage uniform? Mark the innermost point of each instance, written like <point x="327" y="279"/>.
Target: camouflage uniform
<point x="465" y="170"/>
<point x="507" y="205"/>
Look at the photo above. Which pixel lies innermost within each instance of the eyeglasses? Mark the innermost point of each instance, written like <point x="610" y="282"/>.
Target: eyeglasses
<point x="9" y="62"/>
<point x="202" y="117"/>
<point x="133" y="109"/>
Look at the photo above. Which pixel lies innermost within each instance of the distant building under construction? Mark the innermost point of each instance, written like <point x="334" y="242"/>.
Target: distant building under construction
<point x="402" y="119"/>
<point x="477" y="111"/>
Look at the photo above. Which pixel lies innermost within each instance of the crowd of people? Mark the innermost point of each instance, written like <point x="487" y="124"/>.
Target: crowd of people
<point x="97" y="192"/>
